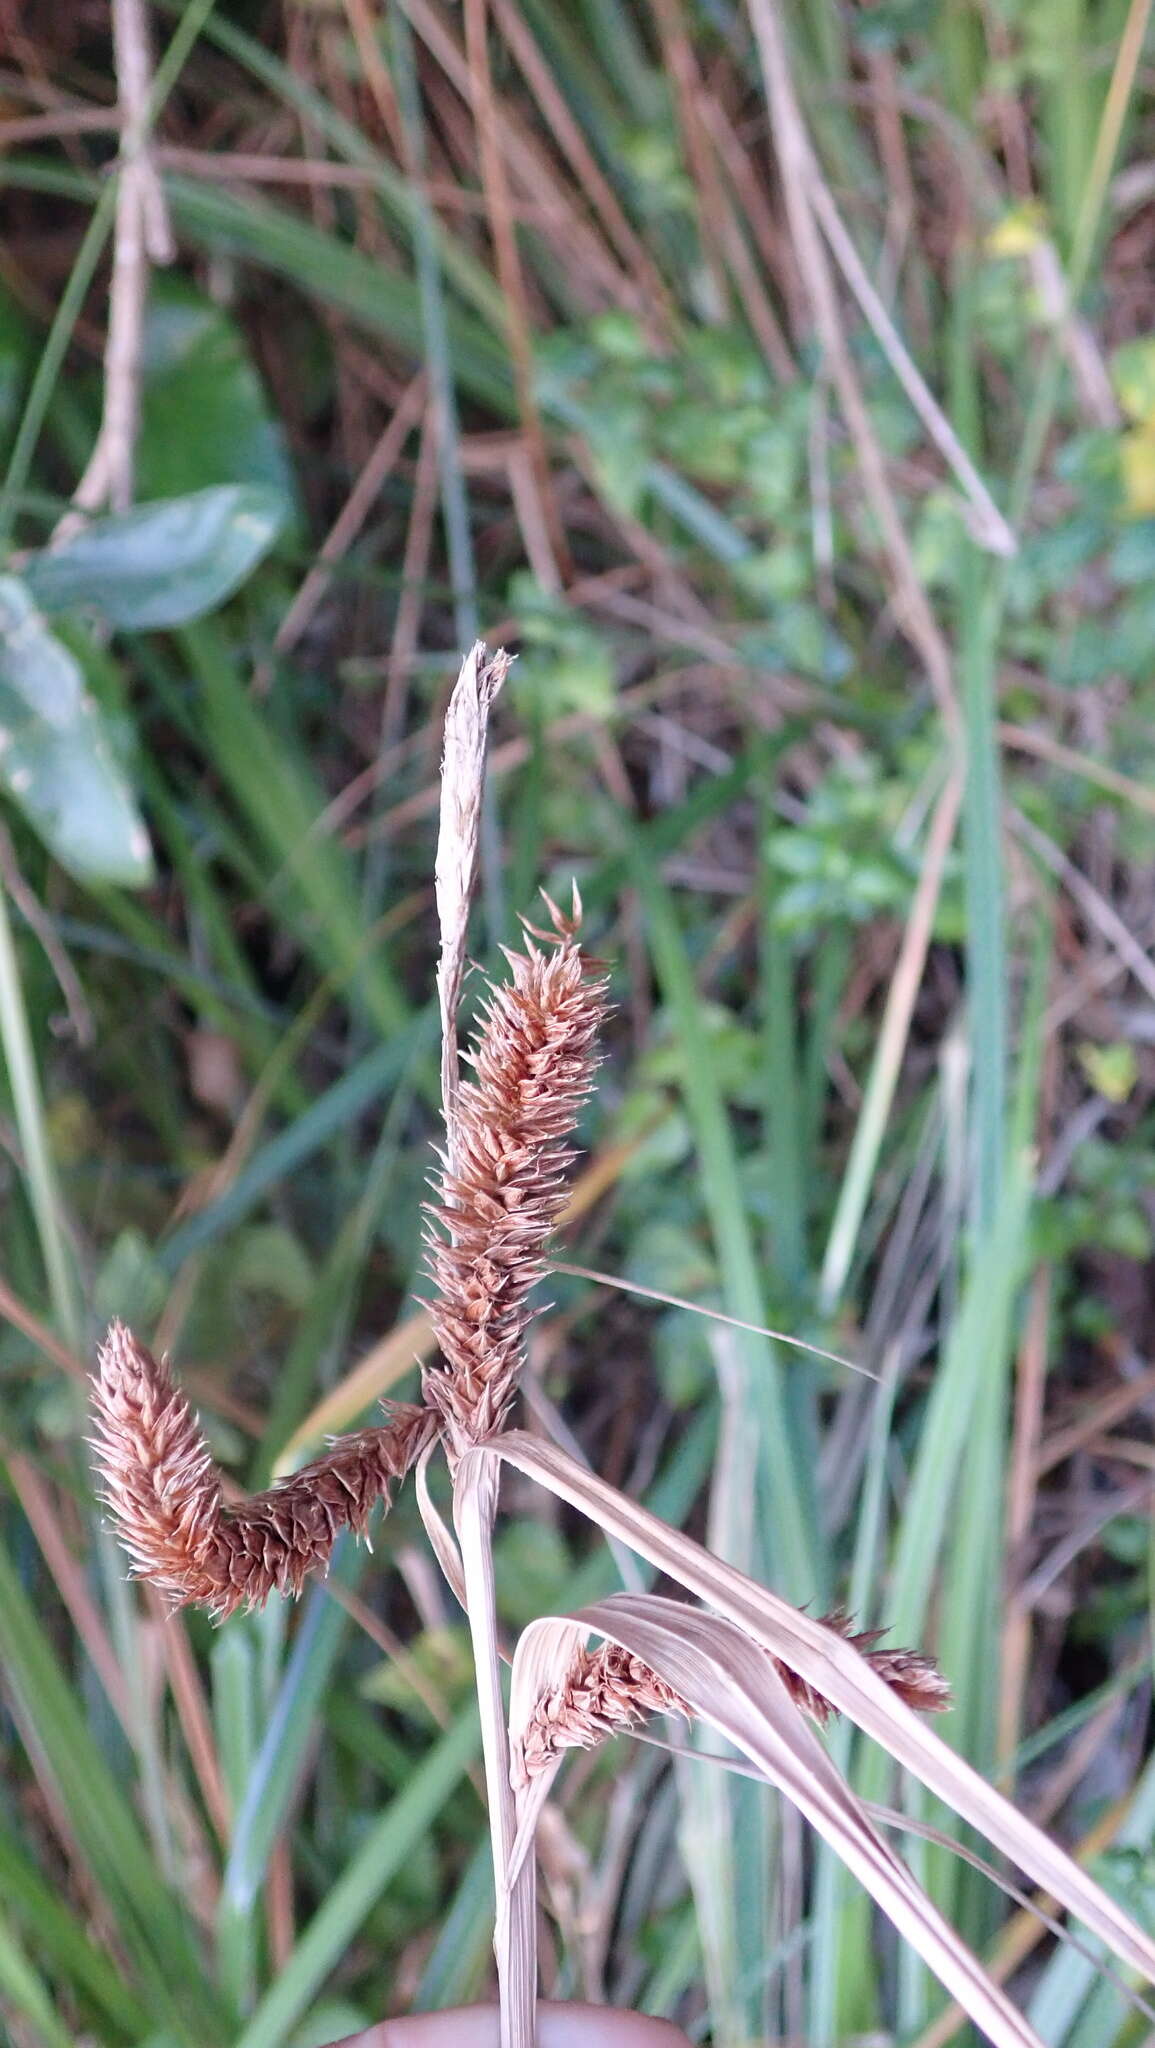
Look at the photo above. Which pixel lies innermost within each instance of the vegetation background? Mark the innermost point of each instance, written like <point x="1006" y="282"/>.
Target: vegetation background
<point x="778" y="381"/>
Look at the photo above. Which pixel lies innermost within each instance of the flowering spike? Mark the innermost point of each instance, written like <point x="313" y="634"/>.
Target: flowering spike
<point x="605" y="1692"/>
<point x="166" y="1499"/>
<point x="502" y="1185"/>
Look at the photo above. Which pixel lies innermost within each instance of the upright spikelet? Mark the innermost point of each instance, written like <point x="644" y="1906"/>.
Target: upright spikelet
<point x="502" y="1183"/>
<point x="165" y="1493"/>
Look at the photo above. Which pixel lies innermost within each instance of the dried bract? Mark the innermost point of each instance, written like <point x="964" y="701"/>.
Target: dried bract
<point x="608" y="1691"/>
<point x="462" y="784"/>
<point x="502" y="1184"/>
<point x="165" y="1493"/>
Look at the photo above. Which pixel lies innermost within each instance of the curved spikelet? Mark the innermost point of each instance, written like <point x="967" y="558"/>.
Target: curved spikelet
<point x="165" y="1494"/>
<point x="916" y="1679"/>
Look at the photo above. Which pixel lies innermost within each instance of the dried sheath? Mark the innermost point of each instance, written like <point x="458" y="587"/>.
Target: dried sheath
<point x="462" y="786"/>
<point x="608" y="1691"/>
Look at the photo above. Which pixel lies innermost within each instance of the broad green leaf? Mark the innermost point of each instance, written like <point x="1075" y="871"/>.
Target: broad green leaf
<point x="56" y="759"/>
<point x="165" y="563"/>
<point x="204" y="418"/>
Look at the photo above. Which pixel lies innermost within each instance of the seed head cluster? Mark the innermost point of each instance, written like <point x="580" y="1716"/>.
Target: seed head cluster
<point x="497" y="1198"/>
<point x="165" y="1492"/>
<point x="502" y="1184"/>
<point x="499" y="1194"/>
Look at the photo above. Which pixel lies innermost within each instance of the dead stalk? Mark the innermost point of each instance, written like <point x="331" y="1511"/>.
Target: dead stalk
<point x="142" y="237"/>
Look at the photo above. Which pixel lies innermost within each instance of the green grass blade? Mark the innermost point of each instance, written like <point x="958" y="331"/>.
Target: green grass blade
<point x="886" y="1064"/>
<point x="459" y="1960"/>
<point x="28" y="1104"/>
<point x="796" y="1549"/>
<point x="987" y="977"/>
<point x="24" y="1992"/>
<point x="400" y="197"/>
<point x="374" y="1076"/>
<point x="382" y="1854"/>
<point x="784" y="1101"/>
<point x="315" y="883"/>
<point x="236" y="1718"/>
<point x="59" y="1938"/>
<point x="1068" y="1977"/>
<point x="52" y="356"/>
<point x="975" y="1349"/>
<point x="326" y="1325"/>
<point x="325" y="268"/>
<point x="272" y="1781"/>
<point x="149" y="1919"/>
<point x="843" y="1977"/>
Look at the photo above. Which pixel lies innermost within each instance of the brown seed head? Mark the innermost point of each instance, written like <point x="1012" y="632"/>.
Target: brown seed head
<point x="606" y="1692"/>
<point x="502" y="1185"/>
<point x="916" y="1679"/>
<point x="165" y="1493"/>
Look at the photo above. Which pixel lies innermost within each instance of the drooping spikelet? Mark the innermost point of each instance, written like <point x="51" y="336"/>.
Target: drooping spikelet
<point x="502" y="1183"/>
<point x="165" y="1493"/>
<point x="606" y="1692"/>
<point x="609" y="1691"/>
<point x="916" y="1679"/>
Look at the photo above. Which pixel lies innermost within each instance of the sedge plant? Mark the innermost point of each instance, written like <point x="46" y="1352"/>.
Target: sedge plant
<point x="732" y="1656"/>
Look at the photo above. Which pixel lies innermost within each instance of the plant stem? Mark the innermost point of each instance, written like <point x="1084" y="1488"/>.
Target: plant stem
<point x="28" y="1104"/>
<point x="474" y="1513"/>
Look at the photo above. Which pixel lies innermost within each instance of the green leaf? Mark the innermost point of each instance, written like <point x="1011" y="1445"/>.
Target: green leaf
<point x="56" y="759"/>
<point x="149" y="1923"/>
<point x="329" y="270"/>
<point x="1112" y="1069"/>
<point x="204" y="418"/>
<point x="16" y="359"/>
<point x="389" y="1843"/>
<point x="165" y="563"/>
<point x="59" y="1936"/>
